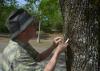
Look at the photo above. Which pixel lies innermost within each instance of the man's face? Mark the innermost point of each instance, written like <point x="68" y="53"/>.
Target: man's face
<point x="31" y="31"/>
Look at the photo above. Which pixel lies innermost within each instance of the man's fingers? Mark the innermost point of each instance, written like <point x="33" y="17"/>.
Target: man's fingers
<point x="66" y="42"/>
<point x="59" y="41"/>
<point x="57" y="38"/>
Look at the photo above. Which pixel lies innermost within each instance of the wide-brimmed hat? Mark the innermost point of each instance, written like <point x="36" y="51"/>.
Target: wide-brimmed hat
<point x="18" y="21"/>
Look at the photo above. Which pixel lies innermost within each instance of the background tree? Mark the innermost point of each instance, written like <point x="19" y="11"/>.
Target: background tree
<point x="81" y="21"/>
<point x="5" y="8"/>
<point x="51" y="15"/>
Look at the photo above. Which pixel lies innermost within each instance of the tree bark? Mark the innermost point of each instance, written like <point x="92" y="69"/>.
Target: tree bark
<point x="81" y="25"/>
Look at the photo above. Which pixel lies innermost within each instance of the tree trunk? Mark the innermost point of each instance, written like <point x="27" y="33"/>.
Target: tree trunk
<point x="81" y="25"/>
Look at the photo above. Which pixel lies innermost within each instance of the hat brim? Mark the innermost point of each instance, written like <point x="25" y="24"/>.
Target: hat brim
<point x="27" y="23"/>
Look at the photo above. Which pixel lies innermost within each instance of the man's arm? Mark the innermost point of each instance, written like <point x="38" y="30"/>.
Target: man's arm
<point x="52" y="63"/>
<point x="47" y="52"/>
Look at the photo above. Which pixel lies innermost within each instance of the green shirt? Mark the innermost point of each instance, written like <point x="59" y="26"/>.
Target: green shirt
<point x="17" y="58"/>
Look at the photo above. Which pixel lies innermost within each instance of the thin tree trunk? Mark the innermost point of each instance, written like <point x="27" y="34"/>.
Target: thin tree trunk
<point x="81" y="26"/>
<point x="38" y="38"/>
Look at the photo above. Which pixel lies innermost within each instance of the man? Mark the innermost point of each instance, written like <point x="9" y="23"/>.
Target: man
<point x="19" y="55"/>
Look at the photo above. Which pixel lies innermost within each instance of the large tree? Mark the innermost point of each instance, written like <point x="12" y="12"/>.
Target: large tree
<point x="81" y="25"/>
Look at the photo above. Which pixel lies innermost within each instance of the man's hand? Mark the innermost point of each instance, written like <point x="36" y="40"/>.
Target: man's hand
<point x="62" y="46"/>
<point x="52" y="63"/>
<point x="57" y="40"/>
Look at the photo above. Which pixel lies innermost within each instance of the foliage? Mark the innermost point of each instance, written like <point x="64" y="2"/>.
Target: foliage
<point x="50" y="10"/>
<point x="4" y="12"/>
<point x="47" y="11"/>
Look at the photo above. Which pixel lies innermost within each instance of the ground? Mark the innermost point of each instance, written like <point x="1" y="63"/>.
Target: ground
<point x="45" y="42"/>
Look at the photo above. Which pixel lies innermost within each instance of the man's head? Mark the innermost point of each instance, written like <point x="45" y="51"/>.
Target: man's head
<point x="20" y="23"/>
<point x="28" y="33"/>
